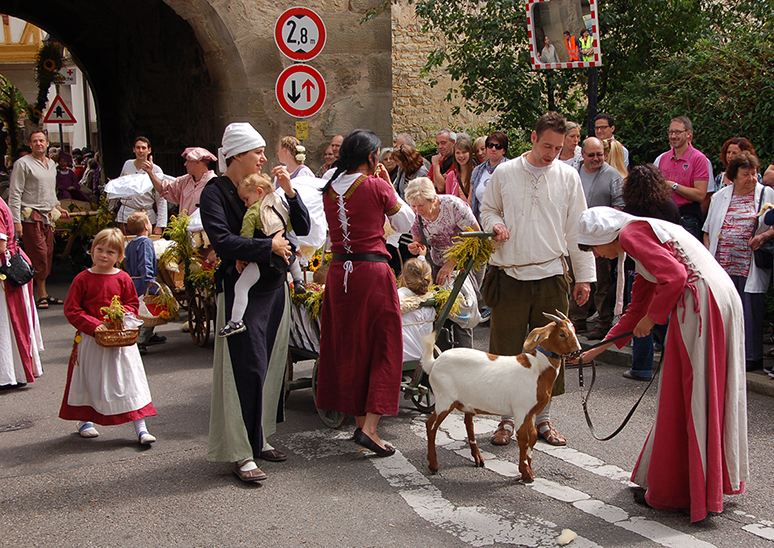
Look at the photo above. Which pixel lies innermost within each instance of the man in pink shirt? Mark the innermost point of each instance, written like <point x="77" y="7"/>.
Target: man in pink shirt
<point x="185" y="190"/>
<point x="687" y="172"/>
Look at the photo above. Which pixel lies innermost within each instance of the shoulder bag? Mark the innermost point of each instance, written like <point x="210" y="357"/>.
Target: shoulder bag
<point x="17" y="269"/>
<point x="764" y="256"/>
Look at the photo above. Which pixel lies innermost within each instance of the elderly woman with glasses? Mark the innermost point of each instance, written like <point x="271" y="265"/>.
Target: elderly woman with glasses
<point x="731" y="232"/>
<point x="496" y="149"/>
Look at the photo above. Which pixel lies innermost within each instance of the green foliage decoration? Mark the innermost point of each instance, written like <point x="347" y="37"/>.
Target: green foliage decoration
<point x="48" y="63"/>
<point x="86" y="227"/>
<point x="13" y="109"/>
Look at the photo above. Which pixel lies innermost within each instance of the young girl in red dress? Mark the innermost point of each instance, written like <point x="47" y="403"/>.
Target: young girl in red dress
<point x="106" y="386"/>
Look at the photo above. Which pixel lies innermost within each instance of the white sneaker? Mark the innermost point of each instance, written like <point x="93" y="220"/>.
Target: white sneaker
<point x="146" y="438"/>
<point x="87" y="430"/>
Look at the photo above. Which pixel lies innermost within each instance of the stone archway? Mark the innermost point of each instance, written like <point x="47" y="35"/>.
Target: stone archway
<point x="148" y="72"/>
<point x="178" y="71"/>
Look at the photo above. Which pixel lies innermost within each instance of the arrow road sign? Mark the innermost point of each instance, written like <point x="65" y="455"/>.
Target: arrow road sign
<point x="300" y="90"/>
<point x="59" y="113"/>
<point x="300" y="34"/>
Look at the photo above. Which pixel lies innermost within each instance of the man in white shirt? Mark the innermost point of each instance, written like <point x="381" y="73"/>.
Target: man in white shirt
<point x="533" y="204"/>
<point x="548" y="53"/>
<point x="153" y="203"/>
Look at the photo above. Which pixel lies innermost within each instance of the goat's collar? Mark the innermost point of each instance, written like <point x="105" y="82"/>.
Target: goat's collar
<point x="549" y="353"/>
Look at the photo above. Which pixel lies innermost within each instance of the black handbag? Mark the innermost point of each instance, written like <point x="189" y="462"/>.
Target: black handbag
<point x="764" y="256"/>
<point x="16" y="269"/>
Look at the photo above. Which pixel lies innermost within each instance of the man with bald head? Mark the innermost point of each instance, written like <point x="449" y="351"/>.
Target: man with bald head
<point x="336" y="144"/>
<point x="603" y="186"/>
<point x="442" y="162"/>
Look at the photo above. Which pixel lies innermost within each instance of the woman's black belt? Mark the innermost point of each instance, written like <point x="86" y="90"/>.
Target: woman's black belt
<point x="369" y="257"/>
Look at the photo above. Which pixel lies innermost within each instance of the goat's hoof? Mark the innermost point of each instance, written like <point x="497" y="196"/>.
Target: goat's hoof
<point x="433" y="472"/>
<point x="480" y="463"/>
<point x="526" y="479"/>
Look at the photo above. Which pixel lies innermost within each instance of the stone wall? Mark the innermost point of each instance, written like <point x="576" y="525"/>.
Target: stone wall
<point x="417" y="108"/>
<point x="237" y="37"/>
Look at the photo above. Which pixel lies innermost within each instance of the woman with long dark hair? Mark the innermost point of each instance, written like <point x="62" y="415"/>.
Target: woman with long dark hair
<point x="646" y="194"/>
<point x="458" y="177"/>
<point x="361" y="350"/>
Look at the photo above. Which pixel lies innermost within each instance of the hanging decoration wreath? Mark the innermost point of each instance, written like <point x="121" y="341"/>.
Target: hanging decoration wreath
<point x="49" y="61"/>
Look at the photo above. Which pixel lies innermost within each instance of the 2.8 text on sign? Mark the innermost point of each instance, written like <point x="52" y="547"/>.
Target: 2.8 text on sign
<point x="300" y="34"/>
<point x="303" y="37"/>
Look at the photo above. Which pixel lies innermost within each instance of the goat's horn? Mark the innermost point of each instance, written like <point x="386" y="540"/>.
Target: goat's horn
<point x="561" y="315"/>
<point x="557" y="319"/>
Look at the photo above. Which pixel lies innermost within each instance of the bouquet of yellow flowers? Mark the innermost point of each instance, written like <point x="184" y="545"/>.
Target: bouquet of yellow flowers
<point x="114" y="314"/>
<point x="116" y="334"/>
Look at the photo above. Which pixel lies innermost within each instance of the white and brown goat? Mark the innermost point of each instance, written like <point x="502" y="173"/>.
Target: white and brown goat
<point x="520" y="386"/>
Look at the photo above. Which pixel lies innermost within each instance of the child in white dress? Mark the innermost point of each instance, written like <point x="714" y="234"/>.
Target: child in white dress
<point x="106" y="386"/>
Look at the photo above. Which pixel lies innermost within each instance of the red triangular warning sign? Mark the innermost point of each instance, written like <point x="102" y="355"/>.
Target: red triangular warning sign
<point x="59" y="113"/>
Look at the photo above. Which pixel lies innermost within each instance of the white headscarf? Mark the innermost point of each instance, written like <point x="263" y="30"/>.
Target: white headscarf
<point x="238" y="137"/>
<point x="602" y="225"/>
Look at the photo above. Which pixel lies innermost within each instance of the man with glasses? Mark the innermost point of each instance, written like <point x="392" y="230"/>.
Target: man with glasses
<point x="602" y="186"/>
<point x="604" y="128"/>
<point x="688" y="174"/>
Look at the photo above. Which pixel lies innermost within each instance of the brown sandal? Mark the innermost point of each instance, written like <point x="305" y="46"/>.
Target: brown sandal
<point x="502" y="435"/>
<point x="551" y="436"/>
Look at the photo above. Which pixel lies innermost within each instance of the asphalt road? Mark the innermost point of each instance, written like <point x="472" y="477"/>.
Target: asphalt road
<point x="57" y="489"/>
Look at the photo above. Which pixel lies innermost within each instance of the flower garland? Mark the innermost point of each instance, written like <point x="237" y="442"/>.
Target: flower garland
<point x="441" y="296"/>
<point x="311" y="300"/>
<point x="47" y="65"/>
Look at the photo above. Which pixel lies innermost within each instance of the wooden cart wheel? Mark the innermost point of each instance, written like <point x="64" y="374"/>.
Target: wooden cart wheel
<point x="331" y="419"/>
<point x="426" y="402"/>
<point x="199" y="312"/>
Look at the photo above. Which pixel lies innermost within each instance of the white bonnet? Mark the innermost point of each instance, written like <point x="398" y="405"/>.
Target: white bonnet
<point x="238" y="137"/>
<point x="601" y="225"/>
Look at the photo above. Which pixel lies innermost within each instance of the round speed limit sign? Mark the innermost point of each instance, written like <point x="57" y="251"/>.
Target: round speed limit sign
<point x="300" y="34"/>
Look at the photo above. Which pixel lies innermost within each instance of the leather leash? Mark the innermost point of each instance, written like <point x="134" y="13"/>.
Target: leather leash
<point x="585" y="399"/>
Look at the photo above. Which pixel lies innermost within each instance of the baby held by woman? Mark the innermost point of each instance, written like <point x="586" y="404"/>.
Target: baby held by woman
<point x="268" y="214"/>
